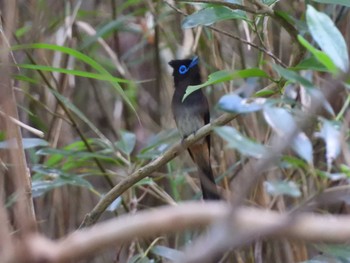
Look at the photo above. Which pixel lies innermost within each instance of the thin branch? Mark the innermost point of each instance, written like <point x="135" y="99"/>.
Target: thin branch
<point x="23" y="125"/>
<point x="267" y="52"/>
<point x="151" y="167"/>
<point x="262" y="10"/>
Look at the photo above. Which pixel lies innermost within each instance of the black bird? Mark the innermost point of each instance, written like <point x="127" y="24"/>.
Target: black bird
<point x="190" y="115"/>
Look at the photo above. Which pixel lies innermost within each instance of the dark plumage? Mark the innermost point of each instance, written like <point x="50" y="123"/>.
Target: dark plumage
<point x="190" y="115"/>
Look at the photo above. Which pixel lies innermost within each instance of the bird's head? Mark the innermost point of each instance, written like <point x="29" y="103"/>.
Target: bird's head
<point x="184" y="68"/>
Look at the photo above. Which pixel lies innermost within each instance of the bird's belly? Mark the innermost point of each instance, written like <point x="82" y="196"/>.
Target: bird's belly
<point x="188" y="123"/>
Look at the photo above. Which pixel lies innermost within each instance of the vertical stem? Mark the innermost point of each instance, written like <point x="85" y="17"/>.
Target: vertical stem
<point x="17" y="178"/>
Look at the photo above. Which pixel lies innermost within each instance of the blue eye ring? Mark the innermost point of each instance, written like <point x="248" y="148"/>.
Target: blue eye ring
<point x="183" y="69"/>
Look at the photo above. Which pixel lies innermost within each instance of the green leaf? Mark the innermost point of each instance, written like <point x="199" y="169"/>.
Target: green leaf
<point x="139" y="258"/>
<point x="224" y="75"/>
<point x="78" y="155"/>
<point x="292" y="76"/>
<point x="328" y="37"/>
<point x="242" y="144"/>
<point x="23" y="30"/>
<point x="127" y="142"/>
<point x="340" y="251"/>
<point x="168" y="253"/>
<point x="41" y="184"/>
<point x="27" y="143"/>
<point x="210" y="15"/>
<point x="81" y="57"/>
<point x="289" y="162"/>
<point x="235" y="104"/>
<point x="299" y="24"/>
<point x="26" y="79"/>
<point x="277" y="188"/>
<point x="264" y="93"/>
<point x="81" y="115"/>
<point x="310" y="63"/>
<point x="321" y="56"/>
<point x="269" y="2"/>
<point x="334" y="2"/>
<point x="78" y="73"/>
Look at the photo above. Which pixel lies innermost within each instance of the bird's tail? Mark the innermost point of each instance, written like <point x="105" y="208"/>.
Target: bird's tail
<point x="200" y="155"/>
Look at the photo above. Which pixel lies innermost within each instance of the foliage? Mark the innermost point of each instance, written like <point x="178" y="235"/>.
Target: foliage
<point x="102" y="99"/>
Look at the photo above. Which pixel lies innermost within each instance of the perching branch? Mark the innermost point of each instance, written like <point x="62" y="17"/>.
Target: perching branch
<point x="146" y="170"/>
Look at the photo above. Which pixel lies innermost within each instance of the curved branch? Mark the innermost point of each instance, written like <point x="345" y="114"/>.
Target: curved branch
<point x="170" y="219"/>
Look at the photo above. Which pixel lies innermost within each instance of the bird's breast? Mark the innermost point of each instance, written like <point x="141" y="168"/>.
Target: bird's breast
<point x="188" y="119"/>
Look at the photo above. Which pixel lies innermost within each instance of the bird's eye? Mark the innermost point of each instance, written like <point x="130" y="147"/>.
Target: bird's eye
<point x="183" y="69"/>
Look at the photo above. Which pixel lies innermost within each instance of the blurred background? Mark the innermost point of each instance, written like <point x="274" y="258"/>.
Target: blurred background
<point x="93" y="76"/>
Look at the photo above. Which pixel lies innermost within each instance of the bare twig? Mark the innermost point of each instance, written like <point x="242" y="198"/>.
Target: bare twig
<point x="23" y="125"/>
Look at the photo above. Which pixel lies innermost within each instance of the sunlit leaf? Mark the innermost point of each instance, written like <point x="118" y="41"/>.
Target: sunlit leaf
<point x="303" y="147"/>
<point x="127" y="142"/>
<point x="310" y="63"/>
<point x="319" y="55"/>
<point x="115" y="204"/>
<point x="235" y="104"/>
<point x="330" y="133"/>
<point x="241" y="143"/>
<point x="335" y="176"/>
<point x="27" y="143"/>
<point x="211" y="15"/>
<point x="328" y="37"/>
<point x="280" y="120"/>
<point x="224" y="75"/>
<point x="168" y="253"/>
<point x="277" y="188"/>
